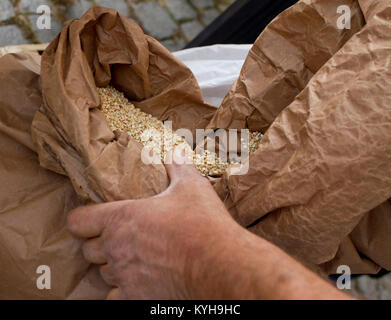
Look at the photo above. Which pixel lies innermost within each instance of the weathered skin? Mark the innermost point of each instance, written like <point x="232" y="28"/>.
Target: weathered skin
<point x="183" y="244"/>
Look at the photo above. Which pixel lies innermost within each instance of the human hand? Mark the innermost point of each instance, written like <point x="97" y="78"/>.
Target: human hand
<point x="183" y="244"/>
<point x="155" y="248"/>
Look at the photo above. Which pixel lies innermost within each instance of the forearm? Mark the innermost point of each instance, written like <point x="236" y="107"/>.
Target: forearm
<point x="184" y="244"/>
<point x="241" y="265"/>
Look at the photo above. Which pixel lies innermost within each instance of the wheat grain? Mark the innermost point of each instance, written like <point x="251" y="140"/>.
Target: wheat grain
<point x="151" y="132"/>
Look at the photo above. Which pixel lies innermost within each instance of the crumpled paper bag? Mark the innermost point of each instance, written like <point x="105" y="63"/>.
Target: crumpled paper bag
<point x="34" y="202"/>
<point x="72" y="135"/>
<point x="322" y="96"/>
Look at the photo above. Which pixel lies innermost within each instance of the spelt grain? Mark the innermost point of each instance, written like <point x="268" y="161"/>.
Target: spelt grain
<point x="151" y="132"/>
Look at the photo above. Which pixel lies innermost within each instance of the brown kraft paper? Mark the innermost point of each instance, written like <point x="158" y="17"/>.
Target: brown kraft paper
<point x="318" y="187"/>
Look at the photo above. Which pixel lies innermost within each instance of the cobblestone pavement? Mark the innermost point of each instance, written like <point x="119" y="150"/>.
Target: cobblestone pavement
<point x="173" y="22"/>
<point x="372" y="288"/>
<point x="368" y="287"/>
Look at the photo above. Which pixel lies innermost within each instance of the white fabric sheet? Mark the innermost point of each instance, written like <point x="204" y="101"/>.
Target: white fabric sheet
<point x="215" y="67"/>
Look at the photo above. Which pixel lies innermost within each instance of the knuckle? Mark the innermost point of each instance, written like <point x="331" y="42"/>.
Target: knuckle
<point x="118" y="217"/>
<point x="72" y="220"/>
<point x="113" y="246"/>
<point x="108" y="275"/>
<point x="121" y="248"/>
<point x="88" y="250"/>
<point x="114" y="221"/>
<point x="117" y="254"/>
<point x="118" y="251"/>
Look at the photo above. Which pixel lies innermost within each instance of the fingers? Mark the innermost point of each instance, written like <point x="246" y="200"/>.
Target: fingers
<point x="106" y="272"/>
<point x="93" y="251"/>
<point x="114" y="294"/>
<point x="89" y="221"/>
<point x="179" y="167"/>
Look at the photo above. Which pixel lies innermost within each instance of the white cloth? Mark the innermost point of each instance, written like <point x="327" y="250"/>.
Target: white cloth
<point x="215" y="67"/>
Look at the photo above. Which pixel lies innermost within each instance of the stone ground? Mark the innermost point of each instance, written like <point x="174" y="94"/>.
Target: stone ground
<point x="173" y="22"/>
<point x="372" y="288"/>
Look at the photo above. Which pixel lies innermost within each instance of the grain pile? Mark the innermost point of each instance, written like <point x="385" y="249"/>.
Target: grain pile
<point x="151" y="132"/>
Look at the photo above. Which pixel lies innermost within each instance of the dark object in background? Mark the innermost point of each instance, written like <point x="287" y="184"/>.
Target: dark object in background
<point x="241" y="23"/>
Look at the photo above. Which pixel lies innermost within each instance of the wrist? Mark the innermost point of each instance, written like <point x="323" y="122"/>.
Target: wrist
<point x="213" y="263"/>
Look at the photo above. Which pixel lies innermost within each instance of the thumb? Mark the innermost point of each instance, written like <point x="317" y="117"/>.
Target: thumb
<point x="179" y="166"/>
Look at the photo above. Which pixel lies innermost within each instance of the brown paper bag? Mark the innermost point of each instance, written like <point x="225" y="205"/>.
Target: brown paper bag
<point x="34" y="202"/>
<point x="70" y="132"/>
<point x="34" y="208"/>
<point x="323" y="101"/>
